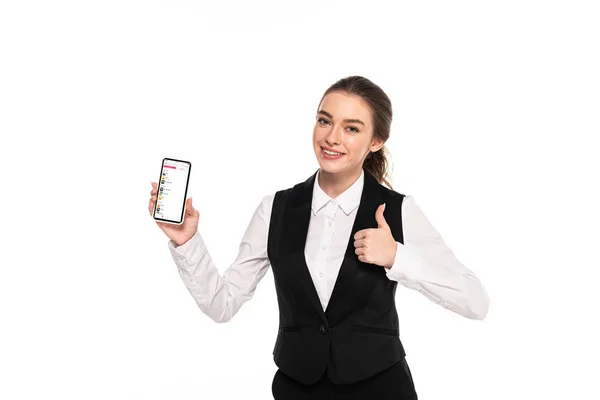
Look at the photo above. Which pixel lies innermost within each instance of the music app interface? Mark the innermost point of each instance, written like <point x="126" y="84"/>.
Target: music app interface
<point x="172" y="190"/>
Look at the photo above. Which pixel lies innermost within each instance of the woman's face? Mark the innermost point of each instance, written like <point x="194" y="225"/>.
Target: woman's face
<point x="344" y="125"/>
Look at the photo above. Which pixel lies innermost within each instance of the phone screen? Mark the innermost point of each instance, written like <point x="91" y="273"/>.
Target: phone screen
<point x="172" y="190"/>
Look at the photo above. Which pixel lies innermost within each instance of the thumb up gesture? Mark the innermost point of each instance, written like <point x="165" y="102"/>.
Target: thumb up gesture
<point x="376" y="245"/>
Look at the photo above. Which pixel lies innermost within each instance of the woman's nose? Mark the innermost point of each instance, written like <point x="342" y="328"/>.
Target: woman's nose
<point x="334" y="136"/>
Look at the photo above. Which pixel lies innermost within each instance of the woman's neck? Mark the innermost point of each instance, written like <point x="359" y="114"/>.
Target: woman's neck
<point x="334" y="184"/>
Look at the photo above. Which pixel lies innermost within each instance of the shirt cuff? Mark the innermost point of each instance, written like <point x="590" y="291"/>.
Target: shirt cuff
<point x="406" y="265"/>
<point x="187" y="251"/>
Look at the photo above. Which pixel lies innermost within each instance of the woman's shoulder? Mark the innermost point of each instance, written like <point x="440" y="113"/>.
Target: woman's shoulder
<point x="394" y="194"/>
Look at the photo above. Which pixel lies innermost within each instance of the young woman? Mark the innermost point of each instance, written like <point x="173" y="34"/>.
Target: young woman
<point x="338" y="244"/>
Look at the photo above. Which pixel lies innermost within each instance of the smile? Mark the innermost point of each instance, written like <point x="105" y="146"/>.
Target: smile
<point x="330" y="155"/>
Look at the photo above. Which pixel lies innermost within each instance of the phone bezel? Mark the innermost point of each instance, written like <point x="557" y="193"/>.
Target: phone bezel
<point x="187" y="184"/>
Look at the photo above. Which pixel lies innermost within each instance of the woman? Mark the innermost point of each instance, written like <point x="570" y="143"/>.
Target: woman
<point x="338" y="244"/>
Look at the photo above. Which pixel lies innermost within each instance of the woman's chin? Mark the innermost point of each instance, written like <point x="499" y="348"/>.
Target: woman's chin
<point x="327" y="167"/>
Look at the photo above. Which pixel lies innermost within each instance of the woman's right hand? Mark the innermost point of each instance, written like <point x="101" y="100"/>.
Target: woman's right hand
<point x="179" y="234"/>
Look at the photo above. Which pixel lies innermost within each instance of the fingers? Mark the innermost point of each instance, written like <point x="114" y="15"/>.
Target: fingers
<point x="152" y="197"/>
<point x="361" y="234"/>
<point x="363" y="242"/>
<point x="189" y="208"/>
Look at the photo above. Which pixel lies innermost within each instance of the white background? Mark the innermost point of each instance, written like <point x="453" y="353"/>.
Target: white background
<point x="496" y="116"/>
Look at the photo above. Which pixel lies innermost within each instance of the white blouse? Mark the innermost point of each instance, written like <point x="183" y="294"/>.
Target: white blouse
<point x="423" y="263"/>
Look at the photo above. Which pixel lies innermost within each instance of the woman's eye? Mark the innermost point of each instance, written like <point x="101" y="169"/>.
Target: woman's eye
<point x="351" y="127"/>
<point x="323" y="121"/>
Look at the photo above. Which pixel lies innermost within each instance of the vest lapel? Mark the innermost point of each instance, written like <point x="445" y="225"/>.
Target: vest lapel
<point x="297" y="219"/>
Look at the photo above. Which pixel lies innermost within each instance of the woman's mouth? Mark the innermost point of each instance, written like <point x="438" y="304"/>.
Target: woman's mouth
<point x="331" y="155"/>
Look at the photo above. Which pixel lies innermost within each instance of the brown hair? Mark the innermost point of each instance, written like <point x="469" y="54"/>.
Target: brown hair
<point x="381" y="113"/>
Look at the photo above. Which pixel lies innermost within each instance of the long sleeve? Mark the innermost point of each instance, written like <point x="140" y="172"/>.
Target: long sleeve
<point x="426" y="264"/>
<point x="220" y="297"/>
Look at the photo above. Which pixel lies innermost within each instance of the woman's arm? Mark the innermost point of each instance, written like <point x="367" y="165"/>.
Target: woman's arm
<point x="220" y="297"/>
<point x="426" y="264"/>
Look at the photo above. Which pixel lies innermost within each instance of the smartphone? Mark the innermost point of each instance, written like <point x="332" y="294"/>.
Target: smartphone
<point x="172" y="191"/>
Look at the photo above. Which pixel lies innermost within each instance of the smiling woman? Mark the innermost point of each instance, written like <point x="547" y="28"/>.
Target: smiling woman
<point x="353" y="118"/>
<point x="339" y="244"/>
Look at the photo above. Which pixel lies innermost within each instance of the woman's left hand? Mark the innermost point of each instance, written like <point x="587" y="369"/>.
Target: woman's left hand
<point x="376" y="245"/>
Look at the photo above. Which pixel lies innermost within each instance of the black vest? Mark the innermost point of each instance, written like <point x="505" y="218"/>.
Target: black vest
<point x="358" y="334"/>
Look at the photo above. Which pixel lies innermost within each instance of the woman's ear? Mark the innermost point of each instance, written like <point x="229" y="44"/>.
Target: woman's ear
<point x="377" y="144"/>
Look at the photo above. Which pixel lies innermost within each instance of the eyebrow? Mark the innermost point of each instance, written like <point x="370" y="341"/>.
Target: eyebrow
<point x="351" y="121"/>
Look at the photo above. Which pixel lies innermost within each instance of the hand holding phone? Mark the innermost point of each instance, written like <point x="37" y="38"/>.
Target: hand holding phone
<point x="175" y="215"/>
